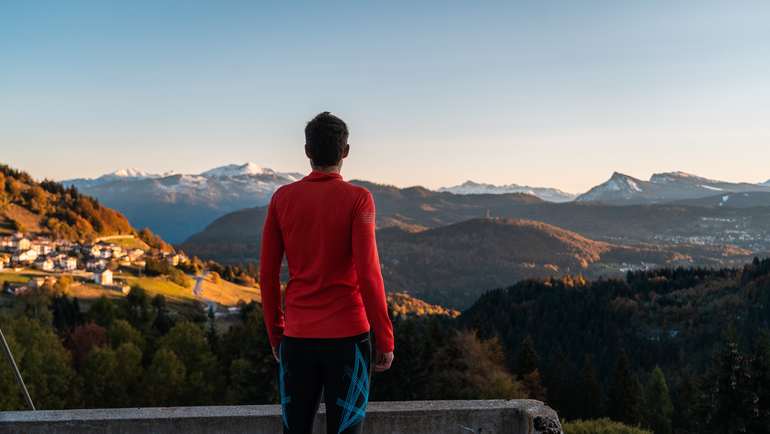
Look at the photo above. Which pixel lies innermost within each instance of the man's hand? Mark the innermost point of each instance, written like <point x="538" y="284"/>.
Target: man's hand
<point x="382" y="361"/>
<point x="275" y="354"/>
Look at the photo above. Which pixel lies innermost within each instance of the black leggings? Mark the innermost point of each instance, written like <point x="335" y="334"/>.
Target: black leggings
<point x="339" y="367"/>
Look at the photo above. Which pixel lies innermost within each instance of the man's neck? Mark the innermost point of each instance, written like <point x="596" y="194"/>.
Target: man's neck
<point x="327" y="169"/>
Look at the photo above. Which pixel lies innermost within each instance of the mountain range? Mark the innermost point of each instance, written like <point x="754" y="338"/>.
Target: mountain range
<point x="178" y="206"/>
<point x="545" y="193"/>
<point x="664" y="187"/>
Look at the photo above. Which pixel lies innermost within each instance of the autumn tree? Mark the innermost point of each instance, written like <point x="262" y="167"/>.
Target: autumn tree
<point x="469" y="368"/>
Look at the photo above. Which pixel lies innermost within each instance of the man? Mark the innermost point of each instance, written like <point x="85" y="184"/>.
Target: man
<point x="325" y="226"/>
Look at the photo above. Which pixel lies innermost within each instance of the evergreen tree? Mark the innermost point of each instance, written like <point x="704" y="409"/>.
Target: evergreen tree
<point x="44" y="363"/>
<point x="526" y="358"/>
<point x="730" y="403"/>
<point x="760" y="370"/>
<point x="245" y="354"/>
<point x="686" y="406"/>
<point x="103" y="312"/>
<point x="188" y="342"/>
<point x="562" y="387"/>
<point x="658" y="408"/>
<point x="164" y="381"/>
<point x="625" y="394"/>
<point x="590" y="392"/>
<point x="100" y="374"/>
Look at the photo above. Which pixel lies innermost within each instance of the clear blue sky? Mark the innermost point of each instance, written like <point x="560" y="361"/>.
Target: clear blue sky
<point x="557" y="93"/>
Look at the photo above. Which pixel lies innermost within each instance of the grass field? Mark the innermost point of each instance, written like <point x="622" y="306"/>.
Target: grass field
<point x="182" y="300"/>
<point x="228" y="293"/>
<point x="160" y="285"/>
<point x="13" y="277"/>
<point x="129" y="243"/>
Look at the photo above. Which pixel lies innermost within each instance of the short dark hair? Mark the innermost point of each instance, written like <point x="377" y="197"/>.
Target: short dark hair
<point x="326" y="137"/>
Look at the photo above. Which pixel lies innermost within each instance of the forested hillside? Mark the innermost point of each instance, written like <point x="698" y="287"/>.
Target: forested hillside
<point x="672" y="350"/>
<point x="599" y="343"/>
<point x="47" y="207"/>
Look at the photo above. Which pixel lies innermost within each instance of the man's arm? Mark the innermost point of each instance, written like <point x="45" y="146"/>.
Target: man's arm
<point x="270" y="276"/>
<point x="372" y="288"/>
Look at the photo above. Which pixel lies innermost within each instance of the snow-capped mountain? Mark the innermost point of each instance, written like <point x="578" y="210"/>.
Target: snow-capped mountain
<point x="177" y="205"/>
<point x="663" y="187"/>
<point x="120" y="174"/>
<point x="247" y="169"/>
<point x="544" y="193"/>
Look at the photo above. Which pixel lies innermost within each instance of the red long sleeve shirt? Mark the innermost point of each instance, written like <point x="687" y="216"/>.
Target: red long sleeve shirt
<point x="325" y="226"/>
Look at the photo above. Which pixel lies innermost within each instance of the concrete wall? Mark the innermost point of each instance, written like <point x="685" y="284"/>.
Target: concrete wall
<point x="407" y="417"/>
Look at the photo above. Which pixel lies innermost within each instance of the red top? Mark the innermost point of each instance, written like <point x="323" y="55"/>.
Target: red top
<point x="326" y="228"/>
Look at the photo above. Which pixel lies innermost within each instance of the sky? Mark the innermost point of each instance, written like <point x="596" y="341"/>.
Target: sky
<point x="546" y="93"/>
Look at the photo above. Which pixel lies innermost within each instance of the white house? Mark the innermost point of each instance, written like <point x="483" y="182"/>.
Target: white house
<point x="103" y="278"/>
<point x="7" y="243"/>
<point x="135" y="254"/>
<point x="45" y="265"/>
<point x="70" y="264"/>
<point x="26" y="256"/>
<point x="42" y="247"/>
<point x="96" y="264"/>
<point x="21" y="244"/>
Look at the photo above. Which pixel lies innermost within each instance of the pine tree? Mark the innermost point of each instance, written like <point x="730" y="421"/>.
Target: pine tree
<point x="658" y="408"/>
<point x="625" y="395"/>
<point x="760" y="371"/>
<point x="590" y="392"/>
<point x="526" y="358"/>
<point x="730" y="403"/>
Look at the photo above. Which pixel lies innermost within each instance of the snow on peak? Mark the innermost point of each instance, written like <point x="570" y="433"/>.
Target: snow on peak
<point x="544" y="193"/>
<point x="669" y="177"/>
<point x="237" y="170"/>
<point x="621" y="182"/>
<point x="129" y="173"/>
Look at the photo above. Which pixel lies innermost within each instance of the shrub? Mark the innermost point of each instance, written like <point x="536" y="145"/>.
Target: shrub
<point x="600" y="426"/>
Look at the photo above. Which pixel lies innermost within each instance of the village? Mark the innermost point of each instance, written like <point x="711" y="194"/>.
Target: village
<point x="95" y="262"/>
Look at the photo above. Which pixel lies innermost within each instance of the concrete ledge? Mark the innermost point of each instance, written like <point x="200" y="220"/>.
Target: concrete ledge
<point x="404" y="417"/>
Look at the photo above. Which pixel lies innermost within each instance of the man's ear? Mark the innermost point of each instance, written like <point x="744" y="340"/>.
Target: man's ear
<point x="346" y="151"/>
<point x="307" y="151"/>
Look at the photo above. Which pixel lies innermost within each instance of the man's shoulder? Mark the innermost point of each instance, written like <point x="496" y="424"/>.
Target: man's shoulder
<point x="359" y="190"/>
<point x="284" y="190"/>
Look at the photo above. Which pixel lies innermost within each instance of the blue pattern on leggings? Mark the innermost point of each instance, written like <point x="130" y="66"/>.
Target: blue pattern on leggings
<point x="285" y="400"/>
<point x="358" y="390"/>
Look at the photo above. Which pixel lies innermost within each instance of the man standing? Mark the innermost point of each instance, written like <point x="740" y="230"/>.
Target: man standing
<point x="325" y="227"/>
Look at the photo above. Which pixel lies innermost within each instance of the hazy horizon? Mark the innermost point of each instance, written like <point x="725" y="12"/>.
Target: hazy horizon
<point x="554" y="95"/>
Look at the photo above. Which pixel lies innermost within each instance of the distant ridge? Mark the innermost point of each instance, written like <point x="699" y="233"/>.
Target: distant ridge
<point x="623" y="189"/>
<point x="544" y="193"/>
<point x="178" y="205"/>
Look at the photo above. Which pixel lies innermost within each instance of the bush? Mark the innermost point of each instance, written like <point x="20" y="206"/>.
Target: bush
<point x="600" y="426"/>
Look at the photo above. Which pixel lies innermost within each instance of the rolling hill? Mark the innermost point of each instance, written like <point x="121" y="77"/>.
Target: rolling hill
<point x="450" y="265"/>
<point x="453" y="265"/>
<point x="49" y="208"/>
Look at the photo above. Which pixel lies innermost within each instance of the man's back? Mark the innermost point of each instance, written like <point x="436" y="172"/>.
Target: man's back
<point x="325" y="226"/>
